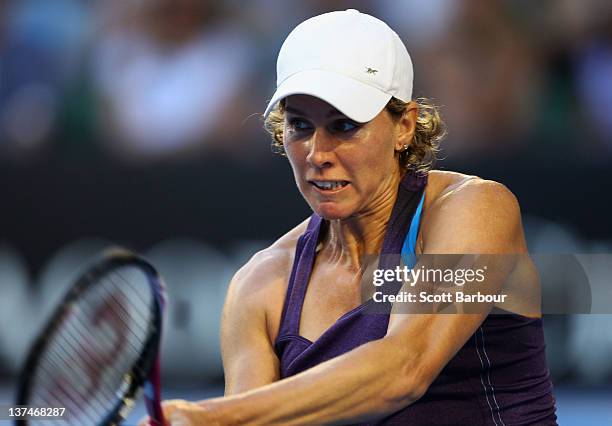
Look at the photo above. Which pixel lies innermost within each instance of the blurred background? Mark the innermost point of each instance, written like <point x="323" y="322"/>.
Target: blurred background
<point x="138" y="123"/>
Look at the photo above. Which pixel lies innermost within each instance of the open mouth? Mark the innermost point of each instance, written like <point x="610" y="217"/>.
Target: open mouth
<point x="329" y="185"/>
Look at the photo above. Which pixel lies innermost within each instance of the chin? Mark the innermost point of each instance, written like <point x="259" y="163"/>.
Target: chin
<point x="332" y="211"/>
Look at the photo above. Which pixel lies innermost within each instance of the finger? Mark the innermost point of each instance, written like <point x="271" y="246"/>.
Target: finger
<point x="170" y="406"/>
<point x="179" y="419"/>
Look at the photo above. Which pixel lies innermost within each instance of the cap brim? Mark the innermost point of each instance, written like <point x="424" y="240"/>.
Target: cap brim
<point x="353" y="98"/>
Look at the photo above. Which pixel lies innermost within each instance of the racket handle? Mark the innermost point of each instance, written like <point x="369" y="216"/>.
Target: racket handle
<point x="152" y="396"/>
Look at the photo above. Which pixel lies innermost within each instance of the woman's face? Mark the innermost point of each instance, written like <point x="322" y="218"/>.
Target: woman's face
<point x="342" y="168"/>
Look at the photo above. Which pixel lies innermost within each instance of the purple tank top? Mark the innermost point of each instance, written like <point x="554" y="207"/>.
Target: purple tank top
<point x="499" y="377"/>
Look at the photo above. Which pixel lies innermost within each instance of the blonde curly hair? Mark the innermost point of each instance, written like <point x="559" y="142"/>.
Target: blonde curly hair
<point x="421" y="154"/>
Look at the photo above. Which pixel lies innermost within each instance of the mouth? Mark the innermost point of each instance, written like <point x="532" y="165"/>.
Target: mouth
<point x="329" y="186"/>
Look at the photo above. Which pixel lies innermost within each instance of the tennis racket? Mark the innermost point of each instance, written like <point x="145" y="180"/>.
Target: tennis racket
<point x="100" y="348"/>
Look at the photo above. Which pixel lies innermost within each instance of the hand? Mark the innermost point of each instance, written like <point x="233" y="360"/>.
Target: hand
<point x="168" y="408"/>
<point x="178" y="412"/>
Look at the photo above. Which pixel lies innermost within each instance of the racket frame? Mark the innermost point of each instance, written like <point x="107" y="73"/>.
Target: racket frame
<point x="144" y="372"/>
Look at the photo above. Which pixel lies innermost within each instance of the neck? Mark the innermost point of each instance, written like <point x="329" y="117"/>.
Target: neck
<point x="352" y="239"/>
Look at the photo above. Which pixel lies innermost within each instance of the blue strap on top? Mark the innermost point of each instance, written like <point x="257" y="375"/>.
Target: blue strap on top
<point x="409" y="246"/>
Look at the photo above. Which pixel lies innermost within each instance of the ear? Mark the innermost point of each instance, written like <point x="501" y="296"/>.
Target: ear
<point x="406" y="126"/>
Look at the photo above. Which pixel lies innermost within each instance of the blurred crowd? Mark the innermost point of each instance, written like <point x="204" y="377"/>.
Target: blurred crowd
<point x="142" y="80"/>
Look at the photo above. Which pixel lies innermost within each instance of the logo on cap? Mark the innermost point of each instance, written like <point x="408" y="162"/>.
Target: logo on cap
<point x="371" y="70"/>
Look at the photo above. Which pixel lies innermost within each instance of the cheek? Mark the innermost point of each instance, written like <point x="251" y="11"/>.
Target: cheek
<point x="378" y="156"/>
<point x="294" y="156"/>
<point x="297" y="161"/>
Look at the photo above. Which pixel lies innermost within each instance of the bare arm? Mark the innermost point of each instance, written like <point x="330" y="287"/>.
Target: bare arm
<point x="480" y="217"/>
<point x="248" y="358"/>
<point x="247" y="348"/>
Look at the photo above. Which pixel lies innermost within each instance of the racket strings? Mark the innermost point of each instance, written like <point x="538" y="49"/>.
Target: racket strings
<point x="102" y="335"/>
<point x="74" y="337"/>
<point x="95" y="403"/>
<point x="124" y="316"/>
<point x="75" y="404"/>
<point x="66" y="352"/>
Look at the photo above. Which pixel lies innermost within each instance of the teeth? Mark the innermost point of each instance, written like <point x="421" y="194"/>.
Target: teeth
<point x="329" y="184"/>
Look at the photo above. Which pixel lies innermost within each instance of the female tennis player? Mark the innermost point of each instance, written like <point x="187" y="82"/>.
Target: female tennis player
<point x="299" y="345"/>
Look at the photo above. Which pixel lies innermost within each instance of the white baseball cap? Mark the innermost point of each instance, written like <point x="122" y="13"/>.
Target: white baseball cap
<point x="351" y="60"/>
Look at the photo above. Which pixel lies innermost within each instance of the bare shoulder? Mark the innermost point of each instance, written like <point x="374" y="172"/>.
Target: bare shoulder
<point x="269" y="264"/>
<point x="258" y="288"/>
<point x="251" y="315"/>
<point x="453" y="187"/>
<point x="471" y="213"/>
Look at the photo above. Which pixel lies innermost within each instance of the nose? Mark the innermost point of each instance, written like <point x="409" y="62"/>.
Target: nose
<point x="321" y="149"/>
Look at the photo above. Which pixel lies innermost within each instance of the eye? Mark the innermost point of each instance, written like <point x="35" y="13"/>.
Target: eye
<point x="344" y="126"/>
<point x="298" y="124"/>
